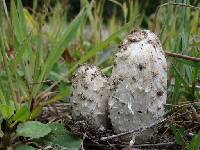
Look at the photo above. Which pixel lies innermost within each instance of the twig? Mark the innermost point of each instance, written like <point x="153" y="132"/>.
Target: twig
<point x="102" y="146"/>
<point x="131" y="132"/>
<point x="155" y="145"/>
<point x="195" y="114"/>
<point x="183" y="104"/>
<point x="170" y="54"/>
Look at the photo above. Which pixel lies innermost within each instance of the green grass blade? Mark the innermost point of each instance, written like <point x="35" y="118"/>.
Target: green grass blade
<point x="2" y="97"/>
<point x="59" y="46"/>
<point x="8" y="73"/>
<point x="100" y="47"/>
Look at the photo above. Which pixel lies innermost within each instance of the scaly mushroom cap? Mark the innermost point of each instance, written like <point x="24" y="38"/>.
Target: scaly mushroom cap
<point x="89" y="95"/>
<point x="138" y="83"/>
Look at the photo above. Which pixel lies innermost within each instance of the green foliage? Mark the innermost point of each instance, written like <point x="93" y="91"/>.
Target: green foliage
<point x="24" y="66"/>
<point x="52" y="134"/>
<point x="6" y="111"/>
<point x="33" y="46"/>
<point x="195" y="143"/>
<point x="60" y="137"/>
<point x="32" y="129"/>
<point x="177" y="28"/>
<point x="23" y="114"/>
<point x="179" y="134"/>
<point x="25" y="147"/>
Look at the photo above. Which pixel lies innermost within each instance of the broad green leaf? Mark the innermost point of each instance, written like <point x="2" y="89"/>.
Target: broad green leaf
<point x="22" y="114"/>
<point x="179" y="134"/>
<point x="61" y="137"/>
<point x="6" y="111"/>
<point x="9" y="148"/>
<point x="195" y="143"/>
<point x="33" y="129"/>
<point x="25" y="147"/>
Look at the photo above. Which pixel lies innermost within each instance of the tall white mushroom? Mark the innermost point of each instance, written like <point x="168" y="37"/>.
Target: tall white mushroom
<point x="89" y="95"/>
<point x="138" y="83"/>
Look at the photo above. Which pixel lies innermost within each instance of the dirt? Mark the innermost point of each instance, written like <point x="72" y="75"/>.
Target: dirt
<point x="185" y="115"/>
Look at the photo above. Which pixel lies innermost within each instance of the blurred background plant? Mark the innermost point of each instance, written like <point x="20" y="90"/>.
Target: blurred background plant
<point x="43" y="43"/>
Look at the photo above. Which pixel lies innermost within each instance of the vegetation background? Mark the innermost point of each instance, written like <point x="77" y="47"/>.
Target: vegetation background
<point x="43" y="42"/>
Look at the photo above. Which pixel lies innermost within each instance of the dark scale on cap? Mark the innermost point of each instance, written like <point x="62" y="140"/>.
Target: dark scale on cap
<point x="82" y="96"/>
<point x="92" y="78"/>
<point x="141" y="67"/>
<point x="123" y="46"/>
<point x="160" y="93"/>
<point x="120" y="45"/>
<point x="86" y="69"/>
<point x="151" y="85"/>
<point x="154" y="74"/>
<point x="95" y="74"/>
<point x="115" y="64"/>
<point x="120" y="79"/>
<point x="159" y="108"/>
<point x="90" y="100"/>
<point x="85" y="86"/>
<point x="137" y="36"/>
<point x="155" y="42"/>
<point x="116" y="82"/>
<point x="74" y="85"/>
<point x="133" y="78"/>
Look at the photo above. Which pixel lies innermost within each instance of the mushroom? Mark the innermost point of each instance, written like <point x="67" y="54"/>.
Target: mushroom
<point x="138" y="83"/>
<point x="89" y="95"/>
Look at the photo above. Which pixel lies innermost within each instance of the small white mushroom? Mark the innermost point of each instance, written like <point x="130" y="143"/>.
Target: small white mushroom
<point x="89" y="95"/>
<point x="138" y="83"/>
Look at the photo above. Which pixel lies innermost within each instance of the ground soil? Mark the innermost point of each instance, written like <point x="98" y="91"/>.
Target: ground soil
<point x="185" y="115"/>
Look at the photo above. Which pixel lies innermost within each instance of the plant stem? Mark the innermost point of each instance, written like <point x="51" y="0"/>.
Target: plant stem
<point x="8" y="73"/>
<point x="195" y="59"/>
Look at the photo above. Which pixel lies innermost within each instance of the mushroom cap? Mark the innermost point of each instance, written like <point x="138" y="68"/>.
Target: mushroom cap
<point x="89" y="95"/>
<point x="138" y="83"/>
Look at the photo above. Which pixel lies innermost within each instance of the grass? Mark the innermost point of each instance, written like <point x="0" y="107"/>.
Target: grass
<point x="177" y="37"/>
<point x="39" y="50"/>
